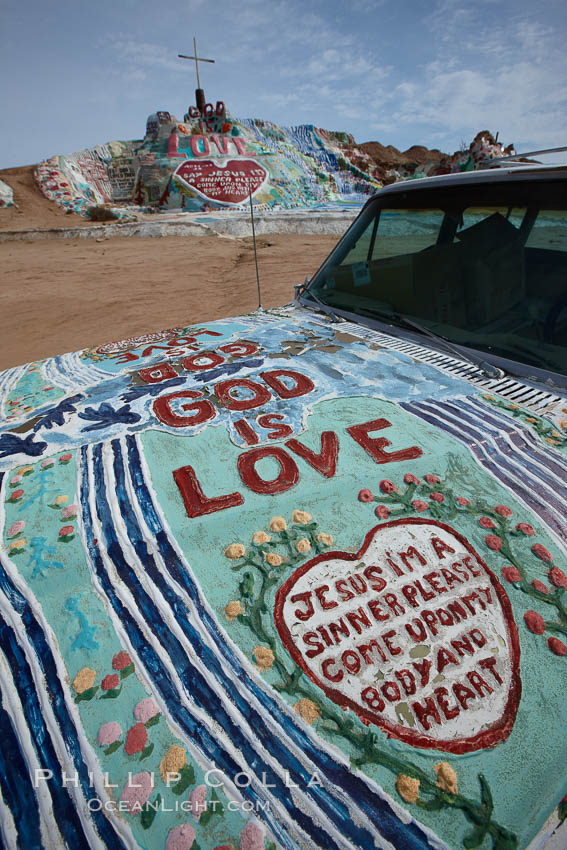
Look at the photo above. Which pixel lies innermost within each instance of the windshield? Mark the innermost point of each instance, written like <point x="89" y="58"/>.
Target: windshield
<point x="484" y="266"/>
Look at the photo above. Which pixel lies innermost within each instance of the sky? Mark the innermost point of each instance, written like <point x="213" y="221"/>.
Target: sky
<point x="401" y="72"/>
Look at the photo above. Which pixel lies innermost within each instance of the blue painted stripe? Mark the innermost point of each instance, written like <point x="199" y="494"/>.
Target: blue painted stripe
<point x="408" y="836"/>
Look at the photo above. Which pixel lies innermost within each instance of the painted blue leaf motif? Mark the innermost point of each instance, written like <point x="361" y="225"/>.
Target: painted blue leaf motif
<point x="55" y="416"/>
<point x="106" y="415"/>
<point x="228" y="369"/>
<point x="134" y="393"/>
<point x="11" y="444"/>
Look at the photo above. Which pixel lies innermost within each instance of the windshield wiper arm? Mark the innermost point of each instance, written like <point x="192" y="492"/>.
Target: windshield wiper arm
<point x="486" y="368"/>
<point x="300" y="288"/>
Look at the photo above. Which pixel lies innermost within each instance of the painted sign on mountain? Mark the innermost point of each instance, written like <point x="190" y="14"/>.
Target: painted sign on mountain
<point x="228" y="182"/>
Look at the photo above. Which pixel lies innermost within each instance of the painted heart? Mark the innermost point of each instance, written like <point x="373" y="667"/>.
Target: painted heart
<point x="230" y="183"/>
<point x="414" y="633"/>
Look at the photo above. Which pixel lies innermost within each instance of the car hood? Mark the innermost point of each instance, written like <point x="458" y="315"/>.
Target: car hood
<point x="279" y="547"/>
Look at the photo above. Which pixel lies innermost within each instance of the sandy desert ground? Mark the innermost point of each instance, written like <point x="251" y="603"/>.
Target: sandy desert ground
<point x="61" y="295"/>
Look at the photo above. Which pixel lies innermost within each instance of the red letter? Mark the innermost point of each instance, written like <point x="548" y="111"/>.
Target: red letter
<point x="303" y="597"/>
<point x="160" y="372"/>
<point x="195" y="149"/>
<point x="195" y="501"/>
<point x="375" y="445"/>
<point x="223" y="388"/>
<point x="246" y="431"/>
<point x="336" y="677"/>
<point x="288" y="475"/>
<point x="163" y="411"/>
<point x="326" y="461"/>
<point x="270" y="420"/>
<point x="303" y="384"/>
<point x="213" y="359"/>
<point x="239" y="349"/>
<point x="428" y="709"/>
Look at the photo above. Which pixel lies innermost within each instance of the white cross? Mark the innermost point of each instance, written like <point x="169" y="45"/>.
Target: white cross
<point x="197" y="60"/>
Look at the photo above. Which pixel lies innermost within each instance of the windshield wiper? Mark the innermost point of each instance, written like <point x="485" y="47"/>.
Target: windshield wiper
<point x="486" y="368"/>
<point x="301" y="288"/>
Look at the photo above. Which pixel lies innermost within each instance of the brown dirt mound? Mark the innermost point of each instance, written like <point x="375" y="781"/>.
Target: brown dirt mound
<point x="390" y="157"/>
<point x="32" y="209"/>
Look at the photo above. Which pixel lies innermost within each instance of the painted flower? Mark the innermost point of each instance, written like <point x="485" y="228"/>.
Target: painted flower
<point x="17" y="545"/>
<point x="303" y="545"/>
<point x="65" y="458"/>
<point x="234" y="551"/>
<point x="136" y="792"/>
<point x="172" y="763"/>
<point x="511" y="574"/>
<point x="493" y="542"/>
<point x="145" y="710"/>
<point x="198" y="801"/>
<point x="407" y="787"/>
<point x="66" y="530"/>
<point x="431" y="479"/>
<point x="121" y="660"/>
<point x="557" y="646"/>
<point x="49" y="461"/>
<point x="136" y="739"/>
<point x="525" y="529"/>
<point x="108" y="734"/>
<point x="301" y="517"/>
<point x="326" y="539"/>
<point x="16" y="528"/>
<point x="260" y="537"/>
<point x="382" y="512"/>
<point x="15" y="479"/>
<point x="446" y="777"/>
<point x="409" y="478"/>
<point x="15" y="495"/>
<point x="557" y="577"/>
<point x="110" y="682"/>
<point x="60" y="500"/>
<point x="542" y="553"/>
<point x="84" y="680"/>
<point x="419" y="505"/>
<point x="70" y="511"/>
<point x="264" y="657"/>
<point x="233" y="609"/>
<point x="25" y="470"/>
<point x="307" y="710"/>
<point x="180" y="837"/>
<point x="278" y="523"/>
<point x="437" y="497"/>
<point x="273" y="559"/>
<point x="252" y="836"/>
<point x="539" y="585"/>
<point x="388" y="486"/>
<point x="534" y="622"/>
<point x="365" y="495"/>
<point x="502" y="510"/>
<point x="462" y="501"/>
<point x="486" y="522"/>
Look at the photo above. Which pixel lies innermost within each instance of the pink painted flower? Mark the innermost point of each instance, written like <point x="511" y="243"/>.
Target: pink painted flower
<point x="486" y="522"/>
<point x="252" y="836"/>
<point x="65" y="458"/>
<point x="503" y="510"/>
<point x="15" y="479"/>
<point x="542" y="553"/>
<point x="49" y="461"/>
<point x="145" y="710"/>
<point x="365" y="495"/>
<point x="15" y="495"/>
<point x="493" y="542"/>
<point x="70" y="511"/>
<point x="382" y="512"/>
<point x="180" y="837"/>
<point x="557" y="646"/>
<point x="66" y="530"/>
<point x="534" y="622"/>
<point x="557" y="577"/>
<point x="136" y="792"/>
<point x="437" y="497"/>
<point x="110" y="682"/>
<point x="419" y="505"/>
<point x="462" y="501"/>
<point x="525" y="529"/>
<point x="388" y="486"/>
<point x="108" y="734"/>
<point x="411" y="479"/>
<point x="198" y="800"/>
<point x="431" y="479"/>
<point x="136" y="739"/>
<point x="121" y="660"/>
<point x="511" y="574"/>
<point x="16" y="528"/>
<point x="539" y="585"/>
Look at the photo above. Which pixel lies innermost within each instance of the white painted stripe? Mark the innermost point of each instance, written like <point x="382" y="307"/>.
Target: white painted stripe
<point x="8" y="831"/>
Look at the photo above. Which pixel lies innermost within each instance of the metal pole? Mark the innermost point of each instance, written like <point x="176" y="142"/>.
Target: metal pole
<point x="255" y="251"/>
<point x="196" y="61"/>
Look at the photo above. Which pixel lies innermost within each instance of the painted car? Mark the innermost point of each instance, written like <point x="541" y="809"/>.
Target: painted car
<point x="297" y="579"/>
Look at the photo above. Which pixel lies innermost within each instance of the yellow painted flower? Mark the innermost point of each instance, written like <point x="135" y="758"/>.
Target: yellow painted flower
<point x="84" y="680"/>
<point x="172" y="763"/>
<point x="307" y="710"/>
<point x="264" y="657"/>
<point x="446" y="777"/>
<point x="303" y="545"/>
<point x="273" y="559"/>
<point x="17" y="545"/>
<point x="278" y="523"/>
<point x="60" y="500"/>
<point x="260" y="537"/>
<point x="234" y="551"/>
<point x="25" y="469"/>
<point x="551" y="442"/>
<point x="301" y="517"/>
<point x="563" y="424"/>
<point x="555" y="433"/>
<point x="488" y="397"/>
<point x="531" y="420"/>
<point x="326" y="539"/>
<point x="407" y="788"/>
<point x="513" y="407"/>
<point x="233" y="609"/>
